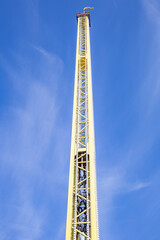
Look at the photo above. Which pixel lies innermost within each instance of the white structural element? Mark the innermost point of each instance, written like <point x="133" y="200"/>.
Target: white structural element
<point x="82" y="213"/>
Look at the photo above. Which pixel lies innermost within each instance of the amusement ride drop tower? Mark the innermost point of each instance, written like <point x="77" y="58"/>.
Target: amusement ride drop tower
<point x="82" y="212"/>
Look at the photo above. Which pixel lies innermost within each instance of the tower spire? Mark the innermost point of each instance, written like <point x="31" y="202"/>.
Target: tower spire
<point x="87" y="8"/>
<point x="82" y="213"/>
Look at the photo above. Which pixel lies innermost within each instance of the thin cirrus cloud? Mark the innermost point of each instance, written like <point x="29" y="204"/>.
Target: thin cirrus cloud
<point x="115" y="180"/>
<point x="152" y="9"/>
<point x="25" y="140"/>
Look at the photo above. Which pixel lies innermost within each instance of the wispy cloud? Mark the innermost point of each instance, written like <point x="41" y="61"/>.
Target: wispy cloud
<point x="152" y="85"/>
<point x="28" y="221"/>
<point x="26" y="140"/>
<point x="153" y="10"/>
<point x="120" y="179"/>
<point x="140" y="185"/>
<point x="111" y="185"/>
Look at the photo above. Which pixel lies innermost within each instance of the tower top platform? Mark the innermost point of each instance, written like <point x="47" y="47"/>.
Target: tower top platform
<point x="83" y="15"/>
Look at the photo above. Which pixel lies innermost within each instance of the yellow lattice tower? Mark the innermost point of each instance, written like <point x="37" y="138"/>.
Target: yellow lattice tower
<point x="82" y="213"/>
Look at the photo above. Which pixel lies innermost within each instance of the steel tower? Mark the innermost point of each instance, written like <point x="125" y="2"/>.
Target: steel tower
<point x="82" y="212"/>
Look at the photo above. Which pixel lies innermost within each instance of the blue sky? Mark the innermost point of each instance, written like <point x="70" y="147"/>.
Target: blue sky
<point x="37" y="58"/>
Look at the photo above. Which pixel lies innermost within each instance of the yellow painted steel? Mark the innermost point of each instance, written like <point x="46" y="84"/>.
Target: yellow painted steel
<point x="82" y="222"/>
<point x="91" y="148"/>
<point x="87" y="8"/>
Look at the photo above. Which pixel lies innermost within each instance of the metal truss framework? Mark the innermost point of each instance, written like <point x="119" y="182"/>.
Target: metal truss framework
<point x="82" y="216"/>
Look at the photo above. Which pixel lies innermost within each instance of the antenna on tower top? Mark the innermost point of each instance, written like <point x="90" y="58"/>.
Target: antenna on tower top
<point x="87" y="8"/>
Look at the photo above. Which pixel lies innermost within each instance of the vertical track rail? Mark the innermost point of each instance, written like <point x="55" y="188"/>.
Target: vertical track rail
<point x="77" y="146"/>
<point x="86" y="132"/>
